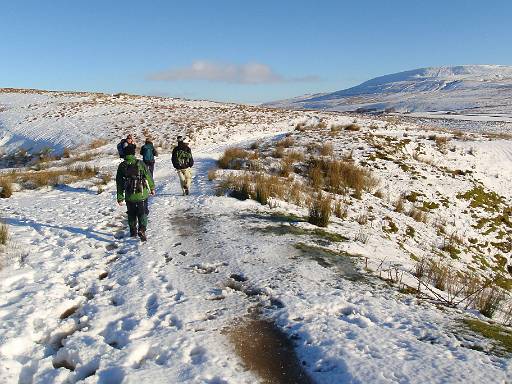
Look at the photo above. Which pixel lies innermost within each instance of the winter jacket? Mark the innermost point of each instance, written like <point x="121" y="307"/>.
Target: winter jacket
<point x="122" y="181"/>
<point x="182" y="156"/>
<point x="148" y="152"/>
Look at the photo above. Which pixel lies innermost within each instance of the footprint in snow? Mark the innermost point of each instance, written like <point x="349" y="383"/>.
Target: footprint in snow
<point x="197" y="355"/>
<point x="119" y="235"/>
<point x="152" y="304"/>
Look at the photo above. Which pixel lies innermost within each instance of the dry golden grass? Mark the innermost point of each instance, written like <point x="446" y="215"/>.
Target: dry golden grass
<point x="352" y="127"/>
<point x="38" y="179"/>
<point x="263" y="189"/>
<point x="232" y="158"/>
<point x="326" y="149"/>
<point x="97" y="143"/>
<point x="212" y="174"/>
<point x="295" y="193"/>
<point x="295" y="156"/>
<point x="278" y="152"/>
<point x="484" y="295"/>
<point x="362" y="218"/>
<point x="105" y="178"/>
<point x="316" y="177"/>
<point x="320" y="210"/>
<point x="286" y="167"/>
<point x="4" y="232"/>
<point x="312" y="148"/>
<point x="335" y="129"/>
<point x="340" y="209"/>
<point x="238" y="186"/>
<point x="498" y="135"/>
<point x="342" y="174"/>
<point x="400" y="204"/>
<point x="418" y="215"/>
<point x="83" y="157"/>
<point x="287" y="142"/>
<point x="6" y="186"/>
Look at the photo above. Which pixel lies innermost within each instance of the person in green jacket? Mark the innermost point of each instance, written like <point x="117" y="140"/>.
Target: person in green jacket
<point x="134" y="185"/>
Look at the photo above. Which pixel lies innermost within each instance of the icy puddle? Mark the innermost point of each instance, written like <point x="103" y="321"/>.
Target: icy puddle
<point x="344" y="264"/>
<point x="265" y="350"/>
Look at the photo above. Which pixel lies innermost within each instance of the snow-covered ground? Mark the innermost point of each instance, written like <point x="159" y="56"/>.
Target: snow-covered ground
<point x="475" y="92"/>
<point x="81" y="302"/>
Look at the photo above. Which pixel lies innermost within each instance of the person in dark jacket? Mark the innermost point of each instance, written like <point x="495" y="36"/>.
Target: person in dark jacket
<point x="182" y="161"/>
<point x="134" y="184"/>
<point x="124" y="144"/>
<point x="148" y="153"/>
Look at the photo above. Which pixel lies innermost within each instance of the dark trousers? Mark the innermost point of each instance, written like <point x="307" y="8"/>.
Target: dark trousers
<point x="151" y="166"/>
<point x="137" y="214"/>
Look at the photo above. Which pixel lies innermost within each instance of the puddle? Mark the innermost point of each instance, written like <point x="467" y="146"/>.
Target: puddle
<point x="189" y="223"/>
<point x="268" y="352"/>
<point x="274" y="217"/>
<point x="344" y="264"/>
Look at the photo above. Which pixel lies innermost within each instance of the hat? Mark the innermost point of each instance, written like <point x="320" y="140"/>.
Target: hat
<point x="181" y="138"/>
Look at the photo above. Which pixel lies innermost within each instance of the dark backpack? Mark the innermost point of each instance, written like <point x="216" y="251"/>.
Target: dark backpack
<point x="147" y="152"/>
<point x="134" y="179"/>
<point x="120" y="148"/>
<point x="183" y="158"/>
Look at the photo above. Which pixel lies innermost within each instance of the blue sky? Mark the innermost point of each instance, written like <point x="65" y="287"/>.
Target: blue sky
<point x="240" y="51"/>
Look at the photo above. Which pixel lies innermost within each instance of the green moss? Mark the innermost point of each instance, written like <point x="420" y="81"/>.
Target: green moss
<point x="452" y="251"/>
<point x="404" y="167"/>
<point x="334" y="237"/>
<point x="391" y="227"/>
<point x="504" y="246"/>
<point x="298" y="231"/>
<point x="286" y="217"/>
<point x="382" y="156"/>
<point x="413" y="196"/>
<point x="500" y="335"/>
<point x="445" y="202"/>
<point x="501" y="261"/>
<point x="503" y="282"/>
<point x="428" y="205"/>
<point x="479" y="198"/>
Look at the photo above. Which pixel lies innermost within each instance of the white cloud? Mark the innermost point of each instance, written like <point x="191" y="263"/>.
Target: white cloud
<point x="250" y="73"/>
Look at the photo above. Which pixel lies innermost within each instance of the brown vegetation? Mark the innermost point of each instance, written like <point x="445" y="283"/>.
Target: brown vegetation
<point x="4" y="232"/>
<point x="233" y="158"/>
<point x="320" y="210"/>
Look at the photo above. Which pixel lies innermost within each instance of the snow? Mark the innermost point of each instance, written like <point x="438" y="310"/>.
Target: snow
<point x="468" y="90"/>
<point x="84" y="303"/>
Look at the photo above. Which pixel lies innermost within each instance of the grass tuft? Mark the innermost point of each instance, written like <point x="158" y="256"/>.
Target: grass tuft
<point x="320" y="210"/>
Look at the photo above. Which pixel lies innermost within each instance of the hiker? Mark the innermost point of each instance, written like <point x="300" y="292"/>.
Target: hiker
<point x="125" y="143"/>
<point x="148" y="153"/>
<point x="134" y="184"/>
<point x="182" y="160"/>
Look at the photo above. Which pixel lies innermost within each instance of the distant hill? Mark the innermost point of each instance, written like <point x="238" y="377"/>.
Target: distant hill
<point x="466" y="88"/>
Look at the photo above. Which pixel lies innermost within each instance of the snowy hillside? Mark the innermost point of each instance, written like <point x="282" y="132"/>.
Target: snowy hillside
<point x="475" y="89"/>
<point x="407" y="283"/>
<point x="35" y="120"/>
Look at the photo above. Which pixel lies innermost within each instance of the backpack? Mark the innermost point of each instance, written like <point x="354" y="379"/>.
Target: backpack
<point x="147" y="152"/>
<point x="134" y="179"/>
<point x="120" y="148"/>
<point x="183" y="158"/>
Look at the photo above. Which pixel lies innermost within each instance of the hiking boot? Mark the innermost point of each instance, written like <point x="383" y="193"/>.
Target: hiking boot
<point x="142" y="235"/>
<point x="133" y="232"/>
<point x="186" y="191"/>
